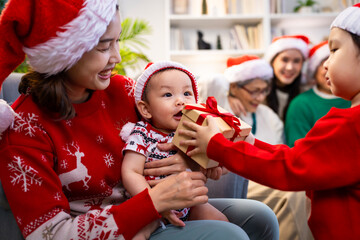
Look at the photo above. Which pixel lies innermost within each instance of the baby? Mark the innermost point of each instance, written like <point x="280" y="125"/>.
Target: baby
<point x="161" y="92"/>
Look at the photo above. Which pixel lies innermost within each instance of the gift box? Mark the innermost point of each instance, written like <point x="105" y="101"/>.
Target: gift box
<point x="230" y="126"/>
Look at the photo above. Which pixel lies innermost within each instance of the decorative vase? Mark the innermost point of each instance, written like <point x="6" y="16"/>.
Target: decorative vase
<point x="306" y="9"/>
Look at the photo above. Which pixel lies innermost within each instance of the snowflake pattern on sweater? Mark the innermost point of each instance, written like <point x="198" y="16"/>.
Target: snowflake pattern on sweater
<point x="69" y="171"/>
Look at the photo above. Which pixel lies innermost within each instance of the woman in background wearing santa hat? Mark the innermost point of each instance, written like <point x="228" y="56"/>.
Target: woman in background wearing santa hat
<point x="308" y="107"/>
<point x="247" y="79"/>
<point x="325" y="163"/>
<point x="287" y="55"/>
<point x="60" y="159"/>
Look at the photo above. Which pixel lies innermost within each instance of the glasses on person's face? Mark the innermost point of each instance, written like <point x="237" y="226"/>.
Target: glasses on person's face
<point x="258" y="92"/>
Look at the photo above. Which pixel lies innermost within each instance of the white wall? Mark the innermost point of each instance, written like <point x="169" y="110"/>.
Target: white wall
<point x="154" y="12"/>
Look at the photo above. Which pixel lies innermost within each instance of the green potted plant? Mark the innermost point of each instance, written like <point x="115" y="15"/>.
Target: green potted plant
<point x="2" y="4"/>
<point x="305" y="6"/>
<point x="132" y="43"/>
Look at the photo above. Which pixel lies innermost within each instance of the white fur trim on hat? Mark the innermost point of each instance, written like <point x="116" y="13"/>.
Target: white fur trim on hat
<point x="348" y="20"/>
<point x="284" y="44"/>
<point x="81" y="35"/>
<point x="314" y="61"/>
<point x="156" y="67"/>
<point x="257" y="68"/>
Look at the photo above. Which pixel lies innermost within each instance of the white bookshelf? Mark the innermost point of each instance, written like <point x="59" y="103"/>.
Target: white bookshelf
<point x="160" y="15"/>
<point x="211" y="26"/>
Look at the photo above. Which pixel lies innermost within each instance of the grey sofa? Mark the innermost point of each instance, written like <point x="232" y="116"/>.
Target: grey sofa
<point x="8" y="226"/>
<point x="229" y="186"/>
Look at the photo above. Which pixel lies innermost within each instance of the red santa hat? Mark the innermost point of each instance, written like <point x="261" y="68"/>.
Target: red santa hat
<point x="153" y="68"/>
<point x="317" y="54"/>
<point x="279" y="44"/>
<point x="53" y="34"/>
<point x="349" y="20"/>
<point x="247" y="67"/>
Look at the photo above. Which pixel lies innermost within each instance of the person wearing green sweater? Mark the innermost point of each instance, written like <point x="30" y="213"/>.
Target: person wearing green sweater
<point x="310" y="106"/>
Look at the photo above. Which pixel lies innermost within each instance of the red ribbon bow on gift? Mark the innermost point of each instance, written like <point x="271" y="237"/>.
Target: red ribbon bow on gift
<point x="211" y="107"/>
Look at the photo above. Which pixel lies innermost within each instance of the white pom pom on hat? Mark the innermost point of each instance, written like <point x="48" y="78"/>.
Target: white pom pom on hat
<point x="282" y="43"/>
<point x="349" y="19"/>
<point x="247" y="67"/>
<point x="7" y="116"/>
<point x="126" y="130"/>
<point x="153" y="68"/>
<point x="318" y="53"/>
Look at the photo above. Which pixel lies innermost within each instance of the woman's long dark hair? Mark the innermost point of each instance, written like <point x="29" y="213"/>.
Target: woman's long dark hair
<point x="49" y="93"/>
<point x="292" y="89"/>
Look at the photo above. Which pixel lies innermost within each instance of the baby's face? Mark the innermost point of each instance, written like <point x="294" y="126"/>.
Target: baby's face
<point x="169" y="91"/>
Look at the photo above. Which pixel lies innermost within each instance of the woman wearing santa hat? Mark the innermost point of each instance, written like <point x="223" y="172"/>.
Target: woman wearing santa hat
<point x="286" y="54"/>
<point x="60" y="159"/>
<point x="308" y="107"/>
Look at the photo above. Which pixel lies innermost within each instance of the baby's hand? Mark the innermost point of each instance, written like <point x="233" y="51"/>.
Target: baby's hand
<point x="214" y="173"/>
<point x="200" y="135"/>
<point x="172" y="217"/>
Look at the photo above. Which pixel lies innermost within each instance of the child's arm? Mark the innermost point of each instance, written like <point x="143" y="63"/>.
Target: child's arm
<point x="201" y="135"/>
<point x="132" y="173"/>
<point x="134" y="181"/>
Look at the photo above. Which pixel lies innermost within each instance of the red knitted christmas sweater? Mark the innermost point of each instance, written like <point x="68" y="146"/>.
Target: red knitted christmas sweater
<point x="62" y="178"/>
<point x="325" y="163"/>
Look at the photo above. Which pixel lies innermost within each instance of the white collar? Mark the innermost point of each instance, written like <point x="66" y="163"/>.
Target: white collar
<point x="322" y="94"/>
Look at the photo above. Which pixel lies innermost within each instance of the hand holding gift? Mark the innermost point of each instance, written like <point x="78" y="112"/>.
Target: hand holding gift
<point x="196" y="129"/>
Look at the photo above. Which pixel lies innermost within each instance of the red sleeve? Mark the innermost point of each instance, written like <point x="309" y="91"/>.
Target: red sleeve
<point x="329" y="152"/>
<point x="127" y="214"/>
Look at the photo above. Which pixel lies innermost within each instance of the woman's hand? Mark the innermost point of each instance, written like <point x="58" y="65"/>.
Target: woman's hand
<point x="186" y="189"/>
<point x="236" y="106"/>
<point x="199" y="135"/>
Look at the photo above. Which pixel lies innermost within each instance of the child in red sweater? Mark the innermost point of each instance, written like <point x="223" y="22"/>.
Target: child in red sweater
<point x="326" y="162"/>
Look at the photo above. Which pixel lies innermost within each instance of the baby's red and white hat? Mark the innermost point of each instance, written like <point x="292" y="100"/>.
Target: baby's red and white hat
<point x="153" y="68"/>
<point x="279" y="44"/>
<point x="349" y="20"/>
<point x="247" y="67"/>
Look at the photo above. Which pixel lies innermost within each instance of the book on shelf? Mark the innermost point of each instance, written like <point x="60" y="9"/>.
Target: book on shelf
<point x="195" y="7"/>
<point x="180" y="6"/>
<point x="247" y="37"/>
<point x="232" y="7"/>
<point x="241" y="34"/>
<point x="251" y="32"/>
<point x="260" y="35"/>
<point x="234" y="40"/>
<point x="176" y="39"/>
<point x="252" y="6"/>
<point x="216" y="7"/>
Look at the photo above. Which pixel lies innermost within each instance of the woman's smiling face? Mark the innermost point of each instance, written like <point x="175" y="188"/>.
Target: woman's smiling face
<point x="287" y="66"/>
